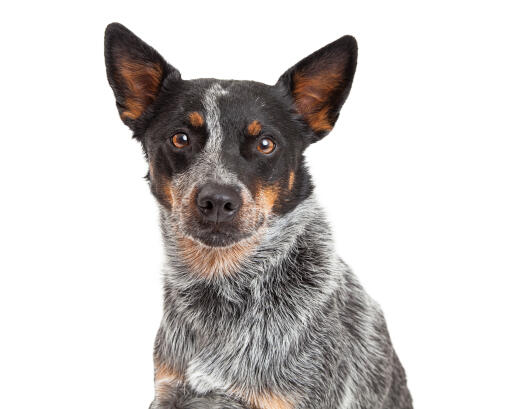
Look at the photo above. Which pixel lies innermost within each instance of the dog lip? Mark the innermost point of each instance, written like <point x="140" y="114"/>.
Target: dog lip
<point x="216" y="228"/>
<point x="219" y="234"/>
<point x="217" y="239"/>
<point x="213" y="237"/>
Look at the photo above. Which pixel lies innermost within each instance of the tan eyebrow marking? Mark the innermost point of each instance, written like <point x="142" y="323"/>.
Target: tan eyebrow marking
<point x="254" y="128"/>
<point x="196" y="119"/>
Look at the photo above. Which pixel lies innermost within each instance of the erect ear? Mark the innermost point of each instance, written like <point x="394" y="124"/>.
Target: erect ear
<point x="135" y="72"/>
<point x="320" y="83"/>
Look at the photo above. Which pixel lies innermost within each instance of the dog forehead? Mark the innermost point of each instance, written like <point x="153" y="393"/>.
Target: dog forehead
<point x="234" y="102"/>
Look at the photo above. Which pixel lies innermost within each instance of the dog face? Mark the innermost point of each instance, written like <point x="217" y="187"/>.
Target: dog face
<point x="226" y="156"/>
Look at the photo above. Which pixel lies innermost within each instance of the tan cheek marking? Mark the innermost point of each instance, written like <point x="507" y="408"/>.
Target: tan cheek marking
<point x="168" y="192"/>
<point x="254" y="128"/>
<point x="196" y="119"/>
<point x="162" y="185"/>
<point x="142" y="82"/>
<point x="266" y="197"/>
<point x="291" y="180"/>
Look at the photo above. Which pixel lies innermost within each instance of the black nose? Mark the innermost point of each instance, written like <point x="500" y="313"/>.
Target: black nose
<point x="218" y="203"/>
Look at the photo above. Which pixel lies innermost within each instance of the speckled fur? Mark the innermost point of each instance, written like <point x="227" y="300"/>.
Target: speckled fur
<point x="277" y="320"/>
<point x="293" y="320"/>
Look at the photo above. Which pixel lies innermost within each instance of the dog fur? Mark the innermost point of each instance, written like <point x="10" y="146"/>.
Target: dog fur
<point x="259" y="312"/>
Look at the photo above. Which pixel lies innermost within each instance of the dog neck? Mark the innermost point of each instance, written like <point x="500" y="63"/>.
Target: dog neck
<point x="298" y="242"/>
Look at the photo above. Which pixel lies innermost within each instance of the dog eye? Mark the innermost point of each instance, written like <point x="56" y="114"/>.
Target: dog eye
<point x="266" y="146"/>
<point x="180" y="140"/>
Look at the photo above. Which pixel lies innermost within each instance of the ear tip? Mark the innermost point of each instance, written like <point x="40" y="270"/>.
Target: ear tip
<point x="115" y="36"/>
<point x="349" y="42"/>
<point x="115" y="30"/>
<point x="115" y="27"/>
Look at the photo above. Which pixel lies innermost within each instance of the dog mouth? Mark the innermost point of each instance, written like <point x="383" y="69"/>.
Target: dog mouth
<point x="218" y="239"/>
<point x="220" y="234"/>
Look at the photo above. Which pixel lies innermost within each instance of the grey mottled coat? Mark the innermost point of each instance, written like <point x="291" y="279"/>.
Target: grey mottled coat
<point x="293" y="320"/>
<point x="259" y="311"/>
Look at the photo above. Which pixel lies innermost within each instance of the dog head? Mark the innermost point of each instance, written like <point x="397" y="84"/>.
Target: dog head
<point x="226" y="156"/>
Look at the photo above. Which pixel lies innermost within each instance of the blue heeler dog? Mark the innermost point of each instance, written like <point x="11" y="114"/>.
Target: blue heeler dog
<point x="259" y="312"/>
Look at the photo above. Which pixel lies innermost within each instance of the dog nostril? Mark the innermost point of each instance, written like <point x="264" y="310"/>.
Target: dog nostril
<point x="229" y="207"/>
<point x="208" y="205"/>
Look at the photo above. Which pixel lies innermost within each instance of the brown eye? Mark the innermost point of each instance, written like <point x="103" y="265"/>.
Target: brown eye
<point x="266" y="146"/>
<point x="180" y="140"/>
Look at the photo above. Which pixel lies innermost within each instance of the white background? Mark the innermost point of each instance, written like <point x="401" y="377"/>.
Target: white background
<point x="415" y="178"/>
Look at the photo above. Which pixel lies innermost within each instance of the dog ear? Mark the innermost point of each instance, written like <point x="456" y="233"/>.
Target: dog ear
<point x="135" y="72"/>
<point x="320" y="83"/>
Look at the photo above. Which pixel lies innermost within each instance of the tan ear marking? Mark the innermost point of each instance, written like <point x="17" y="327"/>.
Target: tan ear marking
<point x="142" y="82"/>
<point x="196" y="119"/>
<point x="311" y="94"/>
<point x="254" y="128"/>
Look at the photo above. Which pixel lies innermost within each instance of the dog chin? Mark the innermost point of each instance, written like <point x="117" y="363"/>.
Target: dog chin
<point x="218" y="239"/>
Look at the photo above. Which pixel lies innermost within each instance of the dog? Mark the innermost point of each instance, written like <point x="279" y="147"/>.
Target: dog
<point x="259" y="312"/>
